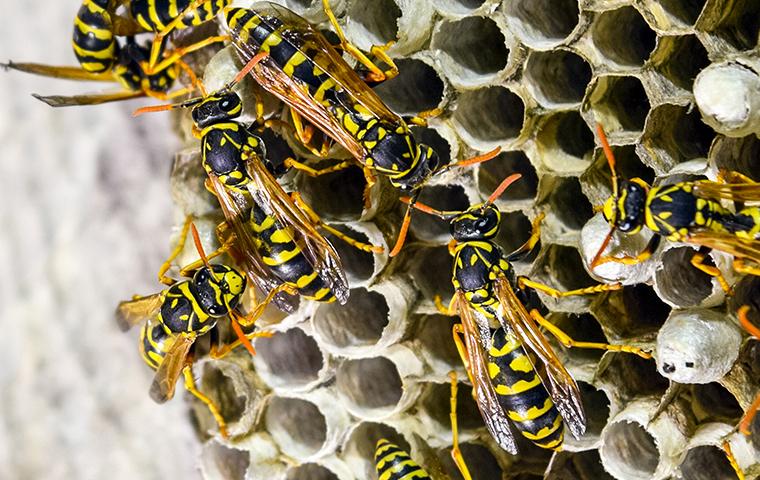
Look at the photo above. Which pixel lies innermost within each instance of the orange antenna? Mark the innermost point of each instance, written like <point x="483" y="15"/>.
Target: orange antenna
<point x="743" y="314"/>
<point x="427" y="209"/>
<point x="472" y="161"/>
<point x="168" y="106"/>
<point x="199" y="246"/>
<point x="596" y="260"/>
<point x="235" y="321"/>
<point x="610" y="159"/>
<point x="247" y="69"/>
<point x="502" y="187"/>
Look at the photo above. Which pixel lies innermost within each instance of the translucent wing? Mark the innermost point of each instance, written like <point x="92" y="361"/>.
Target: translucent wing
<point x="272" y="199"/>
<point x="477" y="369"/>
<point x="557" y="380"/>
<point x="88" y="98"/>
<point x="245" y="248"/>
<point x="740" y="192"/>
<point x="727" y="243"/>
<point x="162" y="388"/>
<point x="68" y="73"/>
<point x="137" y="310"/>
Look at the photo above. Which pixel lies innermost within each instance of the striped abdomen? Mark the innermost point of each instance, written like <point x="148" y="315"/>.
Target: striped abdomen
<point x="282" y="254"/>
<point x="93" y="39"/>
<point x="154" y="343"/>
<point x="393" y="463"/>
<point x="156" y="14"/>
<point x="521" y="393"/>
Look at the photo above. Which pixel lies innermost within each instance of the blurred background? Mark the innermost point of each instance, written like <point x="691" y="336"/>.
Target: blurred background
<point x="86" y="216"/>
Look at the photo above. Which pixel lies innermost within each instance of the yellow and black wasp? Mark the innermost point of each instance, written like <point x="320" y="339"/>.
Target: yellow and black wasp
<point x="273" y="236"/>
<point x="304" y="70"/>
<point x="688" y="212"/>
<point x="175" y="317"/>
<point x="502" y="336"/>
<point x="103" y="57"/>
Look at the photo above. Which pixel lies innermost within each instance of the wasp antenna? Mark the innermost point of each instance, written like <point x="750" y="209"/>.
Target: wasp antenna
<point x="610" y="158"/>
<point x="234" y="320"/>
<point x="472" y="161"/>
<point x="246" y="70"/>
<point x="154" y="108"/>
<point x="199" y="246"/>
<point x="502" y="187"/>
<point x="602" y="248"/>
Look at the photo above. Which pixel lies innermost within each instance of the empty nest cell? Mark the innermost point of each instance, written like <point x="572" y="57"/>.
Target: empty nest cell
<point x="515" y="230"/>
<point x="542" y="24"/>
<point x="584" y="465"/>
<point x="358" y="323"/>
<point x="676" y="134"/>
<point x="631" y="313"/>
<point x="620" y="103"/>
<point x="218" y="461"/>
<point x="436" y="345"/>
<point x="737" y="154"/>
<point x="633" y="376"/>
<point x="417" y="88"/>
<point x="458" y="7"/>
<point x="435" y="401"/>
<point x="557" y="78"/>
<point x="685" y="12"/>
<point x="738" y="24"/>
<point x="371" y="386"/>
<point x="493" y="172"/>
<point x="707" y="462"/>
<point x="583" y="328"/>
<point x="679" y="282"/>
<point x="480" y="462"/>
<point x="566" y="202"/>
<point x="565" y="143"/>
<point x="473" y="50"/>
<point x="597" y="179"/>
<point x="297" y="425"/>
<point x="489" y="116"/>
<point x="596" y="404"/>
<point x="433" y="259"/>
<point x="681" y="58"/>
<point x="291" y="359"/>
<point x="310" y="471"/>
<point x="336" y="196"/>
<point x="358" y="264"/>
<point x="629" y="451"/>
<point x="432" y="229"/>
<point x="711" y="402"/>
<point x="624" y="37"/>
<point x="373" y="23"/>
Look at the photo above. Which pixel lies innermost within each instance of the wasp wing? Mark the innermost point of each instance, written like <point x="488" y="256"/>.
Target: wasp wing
<point x="319" y="252"/>
<point x="245" y="248"/>
<point x="739" y="192"/>
<point x="132" y="312"/>
<point x="556" y="379"/>
<point x="162" y="388"/>
<point x="477" y="369"/>
<point x="53" y="71"/>
<point x="88" y="98"/>
<point x="725" y="242"/>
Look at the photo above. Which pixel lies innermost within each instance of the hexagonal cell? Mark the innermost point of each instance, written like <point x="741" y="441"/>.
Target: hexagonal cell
<point x="436" y="345"/>
<point x="376" y="23"/>
<point x="291" y="359"/>
<point x="679" y="282"/>
<point x="577" y="465"/>
<point x="433" y="259"/>
<point x="557" y="78"/>
<point x="739" y="154"/>
<point x="680" y="59"/>
<point x="489" y="116"/>
<point x="707" y="462"/>
<point x="358" y="264"/>
<point x="311" y="471"/>
<point x="429" y="228"/>
<point x="458" y="7"/>
<point x="493" y="172"/>
<point x="542" y="24"/>
<point x="370" y="385"/>
<point x="619" y="103"/>
<point x="218" y="461"/>
<point x="746" y="292"/>
<point x="359" y="448"/>
<point x="360" y="322"/>
<point x="480" y="462"/>
<point x="581" y="328"/>
<point x="596" y="404"/>
<point x="336" y="196"/>
<point x="472" y="50"/>
<point x="685" y="12"/>
<point x="514" y="231"/>
<point x="633" y="312"/>
<point x="737" y="24"/>
<point x="633" y="376"/>
<point x="561" y="267"/>
<point x="711" y="402"/>
<point x="433" y="139"/>
<point x="565" y="143"/>
<point x="631" y="449"/>
<point x="436" y="402"/>
<point x="297" y="425"/>
<point x="567" y="208"/>
<point x="674" y="135"/>
<point x="624" y="37"/>
<point x="220" y="388"/>
<point x="416" y="88"/>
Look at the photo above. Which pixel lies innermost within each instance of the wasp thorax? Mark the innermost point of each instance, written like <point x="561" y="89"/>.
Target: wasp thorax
<point x="626" y="212"/>
<point x="217" y="108"/>
<point x="480" y="222"/>
<point x="425" y="165"/>
<point x="218" y="292"/>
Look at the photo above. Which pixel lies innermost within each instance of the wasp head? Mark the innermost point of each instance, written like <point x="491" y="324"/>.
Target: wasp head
<point x="217" y="108"/>
<point x="626" y="213"/>
<point x="479" y="222"/>
<point x="219" y="291"/>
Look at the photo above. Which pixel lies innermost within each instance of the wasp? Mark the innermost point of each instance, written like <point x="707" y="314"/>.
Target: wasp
<point x="499" y="334"/>
<point x="274" y="235"/>
<point x="688" y="212"/>
<point x="175" y="317"/>
<point x="104" y="57"/>
<point x="304" y="70"/>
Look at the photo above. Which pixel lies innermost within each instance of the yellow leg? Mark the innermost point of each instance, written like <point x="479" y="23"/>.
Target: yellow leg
<point x="376" y="74"/>
<point x="456" y="331"/>
<point x="371" y="179"/>
<point x="523" y="282"/>
<point x="456" y="454"/>
<point x="221" y="352"/>
<point x="697" y="262"/>
<point x="291" y="163"/>
<point x="529" y="244"/>
<point x="158" y="40"/>
<point x="449" y="311"/>
<point x="630" y="260"/>
<point x="162" y="277"/>
<point x="746" y="421"/>
<point x="190" y="386"/>
<point x="305" y="134"/>
<point x="741" y="266"/>
<point x="421" y="119"/>
<point x="178" y="53"/>
<point x="365" y="247"/>
<point x="731" y="176"/>
<point x="249" y="319"/>
<point x="732" y="460"/>
<point x="185" y="272"/>
<point x="567" y="341"/>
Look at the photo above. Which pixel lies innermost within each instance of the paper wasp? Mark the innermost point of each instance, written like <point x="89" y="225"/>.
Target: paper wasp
<point x="104" y="57"/>
<point x="497" y="320"/>
<point x="306" y="72"/>
<point x="175" y="317"/>
<point x="688" y="212"/>
<point x="273" y="236"/>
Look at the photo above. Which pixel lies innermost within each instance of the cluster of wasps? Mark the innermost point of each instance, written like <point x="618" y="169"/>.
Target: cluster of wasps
<point x="275" y="240"/>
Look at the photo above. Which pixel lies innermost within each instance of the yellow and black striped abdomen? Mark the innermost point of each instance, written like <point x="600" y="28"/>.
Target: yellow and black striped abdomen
<point x="522" y="394"/>
<point x="393" y="463"/>
<point x="93" y="39"/>
<point x="156" y="14"/>
<point x="154" y="343"/>
<point x="282" y="254"/>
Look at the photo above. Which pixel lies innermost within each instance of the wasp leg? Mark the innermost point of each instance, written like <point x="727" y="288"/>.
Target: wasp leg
<point x="732" y="176"/>
<point x="654" y="242"/>
<point x="178" y="53"/>
<point x="697" y="262"/>
<point x="305" y="133"/>
<point x="747" y="325"/>
<point x="741" y="266"/>
<point x="221" y="352"/>
<point x="524" y="282"/>
<point x="162" y="277"/>
<point x="190" y="386"/>
<point x="456" y="454"/>
<point x="421" y="119"/>
<point x="371" y="181"/>
<point x="375" y="73"/>
<point x="568" y="341"/>
<point x="291" y="163"/>
<point x="531" y="243"/>
<point x="365" y="247"/>
<point x="199" y="263"/>
<point x="449" y="311"/>
<point x="456" y="331"/>
<point x="249" y="319"/>
<point x="732" y="460"/>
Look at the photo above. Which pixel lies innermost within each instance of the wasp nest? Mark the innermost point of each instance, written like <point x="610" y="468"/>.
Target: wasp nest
<point x="675" y="84"/>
